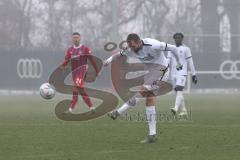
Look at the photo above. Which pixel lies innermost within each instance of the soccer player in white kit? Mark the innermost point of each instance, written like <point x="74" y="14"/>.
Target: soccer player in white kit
<point x="178" y="77"/>
<point x="147" y="51"/>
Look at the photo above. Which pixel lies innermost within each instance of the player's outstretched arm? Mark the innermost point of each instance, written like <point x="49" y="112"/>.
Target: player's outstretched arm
<point x="163" y="46"/>
<point x="173" y="49"/>
<point x="112" y="58"/>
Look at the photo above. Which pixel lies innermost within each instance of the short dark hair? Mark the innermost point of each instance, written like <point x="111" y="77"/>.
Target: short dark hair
<point x="133" y="36"/>
<point x="76" y="33"/>
<point x="178" y="34"/>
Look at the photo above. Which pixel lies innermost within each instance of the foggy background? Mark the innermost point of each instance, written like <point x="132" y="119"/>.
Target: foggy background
<point x="38" y="32"/>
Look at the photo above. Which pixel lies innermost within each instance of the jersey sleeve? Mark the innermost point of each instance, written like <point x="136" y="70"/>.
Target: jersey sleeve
<point x="169" y="58"/>
<point x="163" y="46"/>
<point x="173" y="49"/>
<point x="190" y="61"/>
<point x="90" y="57"/>
<point x="157" y="45"/>
<point x="169" y="54"/>
<point x="87" y="50"/>
<point x="67" y="58"/>
<point x="188" y="53"/>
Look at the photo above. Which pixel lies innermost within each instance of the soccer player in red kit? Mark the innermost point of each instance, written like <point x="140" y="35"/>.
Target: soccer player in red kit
<point x="78" y="54"/>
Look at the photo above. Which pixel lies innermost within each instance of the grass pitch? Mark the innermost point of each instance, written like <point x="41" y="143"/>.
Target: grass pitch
<point x="30" y="130"/>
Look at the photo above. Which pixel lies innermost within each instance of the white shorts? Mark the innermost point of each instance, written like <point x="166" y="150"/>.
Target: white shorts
<point x="179" y="80"/>
<point x="153" y="76"/>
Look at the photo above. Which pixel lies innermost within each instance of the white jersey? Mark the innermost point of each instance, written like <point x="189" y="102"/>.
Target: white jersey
<point x="184" y="54"/>
<point x="152" y="52"/>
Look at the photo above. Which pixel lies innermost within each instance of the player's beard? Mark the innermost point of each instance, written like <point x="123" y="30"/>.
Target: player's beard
<point x="76" y="44"/>
<point x="137" y="49"/>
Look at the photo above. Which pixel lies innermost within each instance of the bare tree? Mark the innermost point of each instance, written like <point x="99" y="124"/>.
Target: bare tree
<point x="99" y="21"/>
<point x="15" y="23"/>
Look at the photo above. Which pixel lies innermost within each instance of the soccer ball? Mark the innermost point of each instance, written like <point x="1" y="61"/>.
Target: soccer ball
<point x="47" y="91"/>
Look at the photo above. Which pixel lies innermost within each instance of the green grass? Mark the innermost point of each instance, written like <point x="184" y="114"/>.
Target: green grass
<point x="30" y="130"/>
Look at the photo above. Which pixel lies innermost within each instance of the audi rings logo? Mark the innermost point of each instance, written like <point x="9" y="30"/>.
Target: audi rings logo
<point x="29" y="68"/>
<point x="230" y="69"/>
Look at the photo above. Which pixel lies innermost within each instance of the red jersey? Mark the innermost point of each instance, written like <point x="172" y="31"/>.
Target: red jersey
<point x="78" y="62"/>
<point x="76" y="55"/>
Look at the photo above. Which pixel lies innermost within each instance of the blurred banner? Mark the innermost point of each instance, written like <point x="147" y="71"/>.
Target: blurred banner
<point x="26" y="69"/>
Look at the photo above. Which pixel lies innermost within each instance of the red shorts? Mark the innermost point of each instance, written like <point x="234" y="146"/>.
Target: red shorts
<point x="78" y="81"/>
<point x="78" y="76"/>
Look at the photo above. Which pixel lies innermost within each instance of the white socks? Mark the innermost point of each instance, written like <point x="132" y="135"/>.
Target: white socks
<point x="179" y="102"/>
<point x="123" y="108"/>
<point x="70" y="109"/>
<point x="150" y="113"/>
<point x="182" y="106"/>
<point x="151" y="118"/>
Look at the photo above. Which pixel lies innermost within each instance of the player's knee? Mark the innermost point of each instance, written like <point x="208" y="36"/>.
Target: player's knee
<point x="143" y="92"/>
<point x="85" y="97"/>
<point x="75" y="97"/>
<point x="150" y="101"/>
<point x="133" y="101"/>
<point x="75" y="93"/>
<point x="75" y="90"/>
<point x="179" y="88"/>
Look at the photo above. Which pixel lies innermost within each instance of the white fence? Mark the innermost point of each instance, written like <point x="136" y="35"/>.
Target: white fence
<point x="228" y="70"/>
